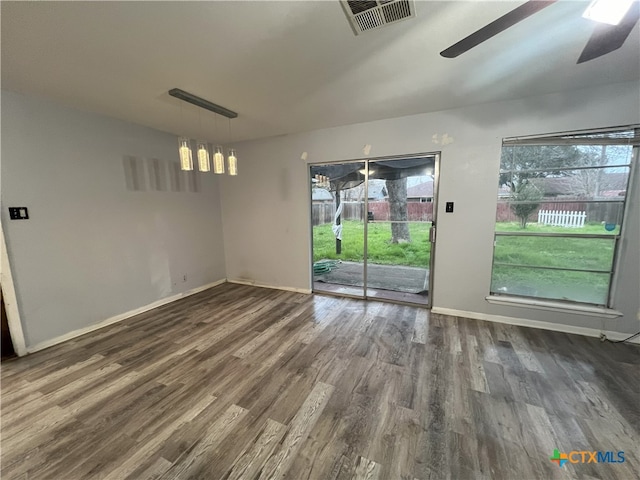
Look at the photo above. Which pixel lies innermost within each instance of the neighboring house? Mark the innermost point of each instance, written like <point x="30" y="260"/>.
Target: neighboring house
<point x="584" y="184"/>
<point x="422" y="192"/>
<point x="504" y="191"/>
<point x="321" y="195"/>
<point x="377" y="192"/>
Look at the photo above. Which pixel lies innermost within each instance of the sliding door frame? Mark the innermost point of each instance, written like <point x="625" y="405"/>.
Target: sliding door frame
<point x="432" y="237"/>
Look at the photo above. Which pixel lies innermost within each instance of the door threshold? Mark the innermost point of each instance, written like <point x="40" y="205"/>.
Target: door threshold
<point x="401" y="298"/>
<point x="421" y="299"/>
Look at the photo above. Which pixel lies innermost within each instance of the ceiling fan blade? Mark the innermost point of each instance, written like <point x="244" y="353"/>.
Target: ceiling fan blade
<point x="500" y="25"/>
<point x="607" y="38"/>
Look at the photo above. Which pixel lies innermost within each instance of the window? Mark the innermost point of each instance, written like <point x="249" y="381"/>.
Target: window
<point x="561" y="201"/>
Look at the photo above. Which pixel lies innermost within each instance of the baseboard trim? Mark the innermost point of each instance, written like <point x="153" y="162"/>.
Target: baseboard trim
<point x="523" y="322"/>
<point x="118" y="318"/>
<point x="306" y="291"/>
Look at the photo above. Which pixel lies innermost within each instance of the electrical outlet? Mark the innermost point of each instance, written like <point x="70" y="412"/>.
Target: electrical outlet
<point x="184" y="278"/>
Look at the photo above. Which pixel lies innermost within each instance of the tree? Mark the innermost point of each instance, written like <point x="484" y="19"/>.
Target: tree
<point x="527" y="193"/>
<point x="397" y="190"/>
<point x="591" y="183"/>
<point x="521" y="163"/>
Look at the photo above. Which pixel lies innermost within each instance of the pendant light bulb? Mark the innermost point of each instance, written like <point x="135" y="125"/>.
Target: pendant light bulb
<point x="233" y="162"/>
<point x="204" y="165"/>
<point x="218" y="160"/>
<point x="186" y="156"/>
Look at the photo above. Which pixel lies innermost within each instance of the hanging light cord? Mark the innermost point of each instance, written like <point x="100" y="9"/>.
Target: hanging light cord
<point x="181" y="115"/>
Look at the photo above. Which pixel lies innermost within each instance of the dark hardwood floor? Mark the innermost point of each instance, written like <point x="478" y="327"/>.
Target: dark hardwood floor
<point x="241" y="382"/>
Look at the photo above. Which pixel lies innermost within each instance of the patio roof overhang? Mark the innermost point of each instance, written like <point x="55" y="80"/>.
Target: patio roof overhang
<point x="349" y="175"/>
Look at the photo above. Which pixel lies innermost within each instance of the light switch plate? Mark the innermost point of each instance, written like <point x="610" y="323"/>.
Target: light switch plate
<point x="18" y="213"/>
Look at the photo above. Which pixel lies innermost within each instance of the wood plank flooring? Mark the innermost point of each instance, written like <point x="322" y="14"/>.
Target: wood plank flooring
<point x="240" y="382"/>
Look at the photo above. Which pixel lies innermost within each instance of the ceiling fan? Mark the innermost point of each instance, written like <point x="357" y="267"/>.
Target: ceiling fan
<point x="605" y="37"/>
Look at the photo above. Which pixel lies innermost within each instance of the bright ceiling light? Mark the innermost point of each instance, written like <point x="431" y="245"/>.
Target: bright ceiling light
<point x="607" y="11"/>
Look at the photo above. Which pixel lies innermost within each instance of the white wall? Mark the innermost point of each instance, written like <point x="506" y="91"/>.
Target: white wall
<point x="265" y="210"/>
<point x="93" y="247"/>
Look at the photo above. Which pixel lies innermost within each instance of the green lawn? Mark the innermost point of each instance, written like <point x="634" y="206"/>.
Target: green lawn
<point x="579" y="253"/>
<point x="380" y="248"/>
<point x="534" y="227"/>
<point x="582" y="253"/>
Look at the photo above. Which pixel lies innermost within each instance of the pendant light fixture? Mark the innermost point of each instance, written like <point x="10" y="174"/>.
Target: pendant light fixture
<point x="218" y="160"/>
<point x="204" y="164"/>
<point x="232" y="160"/>
<point x="186" y="156"/>
<point x="218" y="156"/>
<point x="184" y="149"/>
<point x="203" y="152"/>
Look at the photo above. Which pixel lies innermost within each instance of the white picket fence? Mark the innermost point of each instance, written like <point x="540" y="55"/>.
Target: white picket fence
<point x="558" y="218"/>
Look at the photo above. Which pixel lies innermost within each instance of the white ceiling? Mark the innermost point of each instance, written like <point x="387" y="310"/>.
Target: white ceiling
<point x="289" y="66"/>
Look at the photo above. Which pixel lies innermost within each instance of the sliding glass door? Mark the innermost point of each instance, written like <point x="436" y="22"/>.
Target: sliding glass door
<point x="337" y="217"/>
<point x="401" y="199"/>
<point x="373" y="226"/>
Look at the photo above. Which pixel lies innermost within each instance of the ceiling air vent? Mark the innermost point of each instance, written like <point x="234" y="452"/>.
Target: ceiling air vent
<point x="367" y="15"/>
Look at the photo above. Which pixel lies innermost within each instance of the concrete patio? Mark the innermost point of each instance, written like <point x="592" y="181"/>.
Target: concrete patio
<point x="387" y="277"/>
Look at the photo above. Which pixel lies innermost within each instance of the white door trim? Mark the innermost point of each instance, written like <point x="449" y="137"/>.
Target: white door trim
<point x="10" y="300"/>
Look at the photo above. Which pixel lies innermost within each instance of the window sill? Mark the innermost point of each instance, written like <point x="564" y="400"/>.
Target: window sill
<point x="554" y="306"/>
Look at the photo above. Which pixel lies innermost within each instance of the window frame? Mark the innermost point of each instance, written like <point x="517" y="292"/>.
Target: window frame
<point x="577" y="138"/>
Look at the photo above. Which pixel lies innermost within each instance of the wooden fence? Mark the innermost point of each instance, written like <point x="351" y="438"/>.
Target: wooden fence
<point x="416" y="211"/>
<point x="605" y="211"/>
<point x="323" y="212"/>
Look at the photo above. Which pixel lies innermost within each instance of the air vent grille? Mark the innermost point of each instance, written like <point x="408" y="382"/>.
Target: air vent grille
<point x="358" y="6"/>
<point x="365" y="15"/>
<point x="396" y="11"/>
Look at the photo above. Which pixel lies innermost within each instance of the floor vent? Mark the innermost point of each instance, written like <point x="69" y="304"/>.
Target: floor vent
<point x="365" y="15"/>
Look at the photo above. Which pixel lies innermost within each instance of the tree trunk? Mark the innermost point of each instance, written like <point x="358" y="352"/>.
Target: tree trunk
<point x="397" y="190"/>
